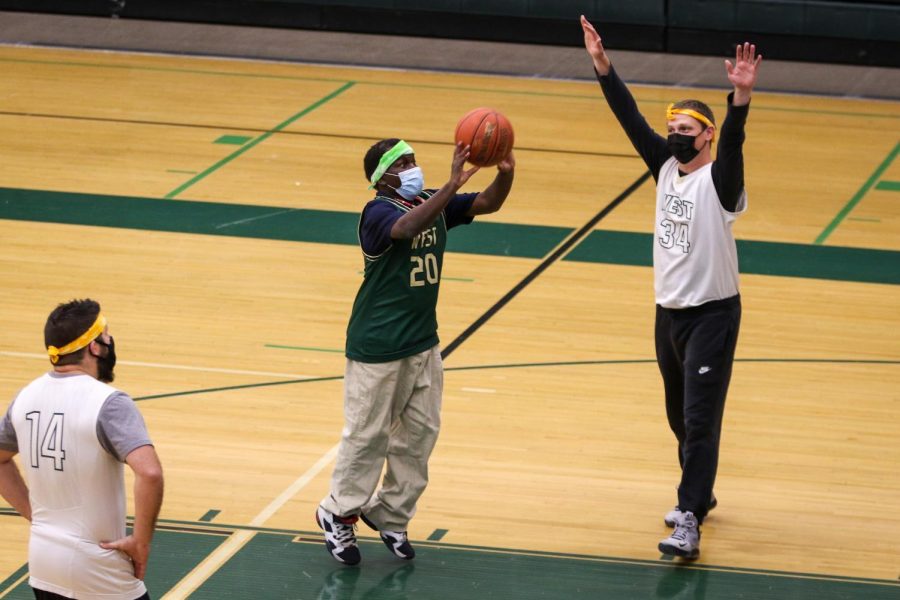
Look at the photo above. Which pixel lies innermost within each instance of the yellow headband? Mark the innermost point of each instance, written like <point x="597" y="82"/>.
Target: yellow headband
<point x="671" y="112"/>
<point x="83" y="340"/>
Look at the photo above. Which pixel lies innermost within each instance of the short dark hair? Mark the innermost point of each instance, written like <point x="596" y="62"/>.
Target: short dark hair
<point x="373" y="156"/>
<point x="67" y="323"/>
<point x="700" y="107"/>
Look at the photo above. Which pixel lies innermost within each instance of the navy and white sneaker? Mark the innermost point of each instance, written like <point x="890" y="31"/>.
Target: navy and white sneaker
<point x="673" y="516"/>
<point x="340" y="537"/>
<point x="685" y="540"/>
<point x="396" y="541"/>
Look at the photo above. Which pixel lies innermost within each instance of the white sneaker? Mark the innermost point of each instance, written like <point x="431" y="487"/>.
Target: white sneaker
<point x="396" y="541"/>
<point x="685" y="540"/>
<point x="673" y="516"/>
<point x="340" y="537"/>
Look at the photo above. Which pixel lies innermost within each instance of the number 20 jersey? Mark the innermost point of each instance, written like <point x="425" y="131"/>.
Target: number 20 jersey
<point x="694" y="253"/>
<point x="394" y="314"/>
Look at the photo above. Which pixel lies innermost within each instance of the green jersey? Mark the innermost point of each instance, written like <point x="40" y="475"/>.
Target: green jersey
<point x="394" y="314"/>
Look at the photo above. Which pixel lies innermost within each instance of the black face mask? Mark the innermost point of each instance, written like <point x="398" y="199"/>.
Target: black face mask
<point x="682" y="147"/>
<point x="106" y="364"/>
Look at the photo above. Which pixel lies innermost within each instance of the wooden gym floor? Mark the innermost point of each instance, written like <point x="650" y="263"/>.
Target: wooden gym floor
<point x="210" y="206"/>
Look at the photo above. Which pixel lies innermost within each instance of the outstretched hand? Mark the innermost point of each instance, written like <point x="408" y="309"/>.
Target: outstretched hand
<point x="458" y="175"/>
<point x="594" y="46"/>
<point x="742" y="73"/>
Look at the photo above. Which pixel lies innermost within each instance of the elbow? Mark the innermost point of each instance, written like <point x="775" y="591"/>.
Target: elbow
<point x="152" y="475"/>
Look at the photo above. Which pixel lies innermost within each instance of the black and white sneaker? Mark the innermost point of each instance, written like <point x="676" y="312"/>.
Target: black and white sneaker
<point x="673" y="516"/>
<point x="685" y="540"/>
<point x="340" y="537"/>
<point x="396" y="541"/>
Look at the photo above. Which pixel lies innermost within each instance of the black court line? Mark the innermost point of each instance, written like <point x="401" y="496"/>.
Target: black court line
<point x="256" y="130"/>
<point x="569" y="363"/>
<point x="549" y="260"/>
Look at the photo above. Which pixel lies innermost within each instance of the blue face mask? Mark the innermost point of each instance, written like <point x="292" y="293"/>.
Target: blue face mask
<point x="412" y="181"/>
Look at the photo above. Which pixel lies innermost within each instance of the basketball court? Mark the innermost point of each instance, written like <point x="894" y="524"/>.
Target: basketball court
<point x="210" y="205"/>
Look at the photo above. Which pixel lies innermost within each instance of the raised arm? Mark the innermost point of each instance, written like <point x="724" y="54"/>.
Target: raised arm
<point x="649" y="145"/>
<point x="422" y="216"/>
<point x="728" y="169"/>
<point x="492" y="198"/>
<point x="12" y="486"/>
<point x="148" y="495"/>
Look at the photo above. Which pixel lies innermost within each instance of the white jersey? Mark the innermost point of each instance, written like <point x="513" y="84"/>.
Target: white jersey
<point x="77" y="490"/>
<point x="694" y="254"/>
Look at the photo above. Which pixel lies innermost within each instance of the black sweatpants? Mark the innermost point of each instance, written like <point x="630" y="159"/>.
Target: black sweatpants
<point x="695" y="352"/>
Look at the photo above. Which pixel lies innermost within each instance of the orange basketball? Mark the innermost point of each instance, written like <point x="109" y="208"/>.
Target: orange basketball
<point x="489" y="134"/>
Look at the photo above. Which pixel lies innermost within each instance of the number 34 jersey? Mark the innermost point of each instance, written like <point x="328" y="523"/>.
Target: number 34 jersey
<point x="694" y="253"/>
<point x="76" y="488"/>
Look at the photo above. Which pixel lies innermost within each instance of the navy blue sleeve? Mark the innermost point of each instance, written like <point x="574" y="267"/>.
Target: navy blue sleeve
<point x="728" y="169"/>
<point x="456" y="209"/>
<point x="376" y="222"/>
<point x="650" y="145"/>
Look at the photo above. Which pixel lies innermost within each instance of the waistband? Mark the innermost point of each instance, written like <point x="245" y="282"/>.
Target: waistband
<point x="712" y="305"/>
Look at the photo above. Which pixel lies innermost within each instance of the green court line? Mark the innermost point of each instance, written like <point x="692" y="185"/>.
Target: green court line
<point x="249" y="221"/>
<point x="225" y="529"/>
<point x="517" y="366"/>
<point x="260" y="139"/>
<point x="593" y="96"/>
<point x="13" y="579"/>
<point x="481" y="237"/>
<point x="315" y="536"/>
<point x="437" y="535"/>
<point x="836" y="263"/>
<point x="209" y="515"/>
<point x="890" y="186"/>
<point x="462" y="279"/>
<point x="829" y="229"/>
<point x="235" y="140"/>
<point x="311" y="349"/>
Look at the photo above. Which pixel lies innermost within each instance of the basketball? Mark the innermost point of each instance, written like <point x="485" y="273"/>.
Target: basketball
<point x="489" y="134"/>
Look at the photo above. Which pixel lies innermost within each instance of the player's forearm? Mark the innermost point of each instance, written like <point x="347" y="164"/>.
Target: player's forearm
<point x="492" y="198"/>
<point x="421" y="217"/>
<point x="13" y="489"/>
<point x="741" y="97"/>
<point x="650" y="146"/>
<point x="148" y="496"/>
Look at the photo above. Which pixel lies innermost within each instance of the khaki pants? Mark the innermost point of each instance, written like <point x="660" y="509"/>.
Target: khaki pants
<point x="392" y="411"/>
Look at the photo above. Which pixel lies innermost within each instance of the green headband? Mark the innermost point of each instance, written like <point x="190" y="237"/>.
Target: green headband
<point x="388" y="159"/>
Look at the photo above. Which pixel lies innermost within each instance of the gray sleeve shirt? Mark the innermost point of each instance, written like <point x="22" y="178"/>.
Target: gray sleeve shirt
<point x="8" y="439"/>
<point x="120" y="426"/>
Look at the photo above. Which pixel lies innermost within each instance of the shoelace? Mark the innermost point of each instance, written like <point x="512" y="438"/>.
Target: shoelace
<point x="680" y="533"/>
<point x="344" y="533"/>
